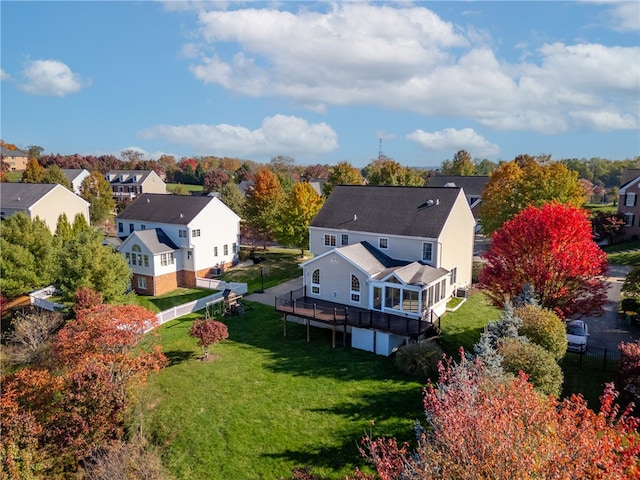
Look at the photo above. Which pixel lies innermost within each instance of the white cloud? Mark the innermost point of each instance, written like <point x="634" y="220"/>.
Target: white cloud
<point x="50" y="77"/>
<point x="452" y="140"/>
<point x="605" y="121"/>
<point x="625" y="15"/>
<point x="405" y="57"/>
<point x="4" y="75"/>
<point x="278" y="135"/>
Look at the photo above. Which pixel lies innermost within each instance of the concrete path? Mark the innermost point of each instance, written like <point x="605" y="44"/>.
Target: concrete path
<point x="270" y="294"/>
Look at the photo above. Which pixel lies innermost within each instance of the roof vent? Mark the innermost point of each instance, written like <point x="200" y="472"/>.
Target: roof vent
<point x="437" y="201"/>
<point x="18" y="197"/>
<point x="355" y="217"/>
<point x="181" y="215"/>
<point x="148" y="200"/>
<point x="429" y="202"/>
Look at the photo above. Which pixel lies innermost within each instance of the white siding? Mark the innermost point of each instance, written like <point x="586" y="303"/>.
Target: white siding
<point x="335" y="280"/>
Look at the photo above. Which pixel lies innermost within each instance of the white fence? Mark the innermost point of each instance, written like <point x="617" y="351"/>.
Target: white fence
<point x="39" y="299"/>
<point x="214" y="284"/>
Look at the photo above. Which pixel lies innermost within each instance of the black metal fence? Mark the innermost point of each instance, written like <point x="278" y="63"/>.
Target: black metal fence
<point x="599" y="358"/>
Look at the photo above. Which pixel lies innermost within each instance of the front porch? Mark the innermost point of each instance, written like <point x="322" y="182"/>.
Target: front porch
<point x="342" y="317"/>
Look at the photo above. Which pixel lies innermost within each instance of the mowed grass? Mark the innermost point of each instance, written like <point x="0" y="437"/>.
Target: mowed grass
<point x="267" y="404"/>
<point x="627" y="253"/>
<point x="174" y="298"/>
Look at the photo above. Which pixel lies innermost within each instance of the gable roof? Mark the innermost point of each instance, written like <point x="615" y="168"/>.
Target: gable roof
<point x="73" y="173"/>
<point x="24" y="195"/>
<point x="472" y="185"/>
<point x="154" y="239"/>
<point x="629" y="175"/>
<point x="165" y="208"/>
<point x="5" y="152"/>
<point x="381" y="266"/>
<point x="391" y="210"/>
<point x="130" y="176"/>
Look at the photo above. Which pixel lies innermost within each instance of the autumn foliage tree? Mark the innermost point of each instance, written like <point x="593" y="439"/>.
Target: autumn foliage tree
<point x="526" y="181"/>
<point x="300" y="206"/>
<point x="342" y="174"/>
<point x="263" y="204"/>
<point x="629" y="370"/>
<point x="479" y="428"/>
<point x="550" y="248"/>
<point x="208" y="332"/>
<point x="608" y="226"/>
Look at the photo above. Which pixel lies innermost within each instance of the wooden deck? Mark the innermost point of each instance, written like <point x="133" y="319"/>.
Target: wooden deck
<point x="335" y="314"/>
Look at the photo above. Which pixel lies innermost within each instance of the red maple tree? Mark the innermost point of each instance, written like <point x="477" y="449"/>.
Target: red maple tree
<point x="480" y="428"/>
<point x="208" y="332"/>
<point x="550" y="248"/>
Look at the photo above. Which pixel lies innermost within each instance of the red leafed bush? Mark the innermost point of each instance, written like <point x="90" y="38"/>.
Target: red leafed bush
<point x="629" y="370"/>
<point x="208" y="332"/>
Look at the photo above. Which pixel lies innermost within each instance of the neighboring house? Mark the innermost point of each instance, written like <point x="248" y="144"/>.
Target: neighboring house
<point x="76" y="176"/>
<point x="16" y="159"/>
<point x="472" y="186"/>
<point x="628" y="203"/>
<point x="318" y="185"/>
<point x="127" y="185"/>
<point x="391" y="253"/>
<point x="46" y="201"/>
<point x="171" y="240"/>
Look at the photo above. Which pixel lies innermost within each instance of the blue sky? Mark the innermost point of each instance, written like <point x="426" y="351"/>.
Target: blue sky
<point x="323" y="82"/>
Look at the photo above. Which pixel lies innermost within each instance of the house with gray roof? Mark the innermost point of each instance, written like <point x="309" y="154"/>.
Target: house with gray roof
<point x="127" y="185"/>
<point x="628" y="203"/>
<point x="76" y="176"/>
<point x="472" y="186"/>
<point x="396" y="253"/>
<point x="16" y="159"/>
<point x="172" y="240"/>
<point x="46" y="201"/>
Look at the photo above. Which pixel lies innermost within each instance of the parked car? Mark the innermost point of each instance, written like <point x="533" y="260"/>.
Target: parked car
<point x="577" y="333"/>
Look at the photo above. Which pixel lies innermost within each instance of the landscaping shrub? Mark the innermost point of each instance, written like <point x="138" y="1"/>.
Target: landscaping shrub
<point x="629" y="305"/>
<point x="475" y="271"/>
<point x="544" y="328"/>
<point x="420" y="358"/>
<point x="542" y="369"/>
<point x="629" y="370"/>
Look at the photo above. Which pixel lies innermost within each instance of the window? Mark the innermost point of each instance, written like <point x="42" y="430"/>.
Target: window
<point x="131" y="228"/>
<point x="143" y="227"/>
<point x="189" y="254"/>
<point x="355" y="289"/>
<point x="146" y="260"/>
<point x="383" y="243"/>
<point x="630" y="199"/>
<point x="225" y="249"/>
<point x="136" y="256"/>
<point x="234" y="247"/>
<point x="344" y="240"/>
<point x="329" y="240"/>
<point x="443" y="289"/>
<point x="427" y="251"/>
<point x="167" y="259"/>
<point x="120" y="227"/>
<point x="410" y="301"/>
<point x="315" y="282"/>
<point x="128" y="257"/>
<point x="142" y="283"/>
<point x="182" y="233"/>
<point x="628" y="219"/>
<point x="195" y="233"/>
<point x="215" y="251"/>
<point x="454" y="275"/>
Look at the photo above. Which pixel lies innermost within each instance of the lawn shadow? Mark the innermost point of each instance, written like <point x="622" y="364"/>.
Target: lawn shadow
<point x="176" y="357"/>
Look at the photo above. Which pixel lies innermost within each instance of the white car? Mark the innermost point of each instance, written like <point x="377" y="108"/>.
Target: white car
<point x="577" y="333"/>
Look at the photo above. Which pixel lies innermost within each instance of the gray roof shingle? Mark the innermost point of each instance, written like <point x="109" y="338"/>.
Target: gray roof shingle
<point x="472" y="185"/>
<point x="155" y="240"/>
<point x="390" y="210"/>
<point x="23" y="195"/>
<point x="165" y="208"/>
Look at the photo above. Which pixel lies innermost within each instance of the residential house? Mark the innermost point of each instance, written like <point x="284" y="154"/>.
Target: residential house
<point x="127" y="185"/>
<point x="16" y="159"/>
<point x="76" y="176"/>
<point x="472" y="186"/>
<point x="387" y="259"/>
<point x="171" y="240"/>
<point x="628" y="203"/>
<point x="46" y="201"/>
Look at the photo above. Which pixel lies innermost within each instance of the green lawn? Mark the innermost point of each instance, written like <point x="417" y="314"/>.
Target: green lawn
<point x="172" y="299"/>
<point x="600" y="207"/>
<point x="279" y="265"/>
<point x="189" y="188"/>
<point x="268" y="403"/>
<point x="14" y="176"/>
<point x="627" y="253"/>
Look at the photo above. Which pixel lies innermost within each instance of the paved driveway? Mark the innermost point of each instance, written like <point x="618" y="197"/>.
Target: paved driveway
<point x="608" y="330"/>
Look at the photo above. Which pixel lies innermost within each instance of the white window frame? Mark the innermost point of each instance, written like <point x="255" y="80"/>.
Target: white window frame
<point x="330" y="240"/>
<point x="182" y="233"/>
<point x="354" y="294"/>
<point x="454" y="275"/>
<point x="142" y="282"/>
<point x="344" y="239"/>
<point x="195" y="233"/>
<point x="628" y="219"/>
<point x="630" y="199"/>
<point x="424" y="257"/>
<point x="315" y="282"/>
